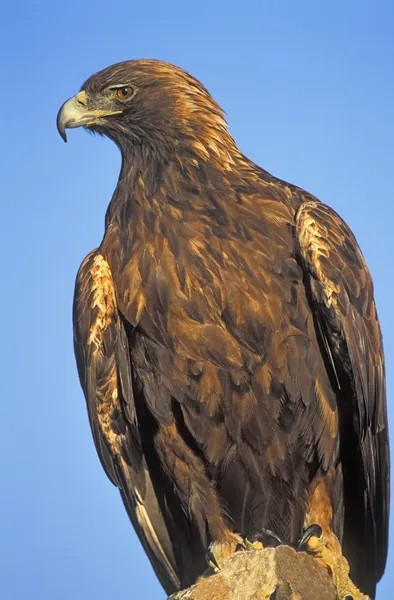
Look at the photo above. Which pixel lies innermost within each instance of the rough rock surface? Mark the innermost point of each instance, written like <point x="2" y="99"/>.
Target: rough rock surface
<point x="268" y="574"/>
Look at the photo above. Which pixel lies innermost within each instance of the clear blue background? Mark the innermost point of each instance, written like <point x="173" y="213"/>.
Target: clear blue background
<point x="308" y="89"/>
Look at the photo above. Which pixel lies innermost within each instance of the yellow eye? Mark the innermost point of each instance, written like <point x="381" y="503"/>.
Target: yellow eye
<point x="124" y="93"/>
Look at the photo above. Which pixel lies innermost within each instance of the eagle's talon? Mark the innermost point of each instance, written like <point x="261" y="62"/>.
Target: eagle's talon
<point x="218" y="551"/>
<point x="211" y="559"/>
<point x="326" y="549"/>
<point x="255" y="539"/>
<point x="313" y="531"/>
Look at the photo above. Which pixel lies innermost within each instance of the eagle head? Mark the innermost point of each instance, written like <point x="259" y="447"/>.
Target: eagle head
<point x="148" y="103"/>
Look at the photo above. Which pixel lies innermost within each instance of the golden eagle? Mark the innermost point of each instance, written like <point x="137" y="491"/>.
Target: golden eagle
<point x="227" y="343"/>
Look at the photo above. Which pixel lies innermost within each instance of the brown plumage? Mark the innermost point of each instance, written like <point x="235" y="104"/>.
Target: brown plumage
<point x="226" y="338"/>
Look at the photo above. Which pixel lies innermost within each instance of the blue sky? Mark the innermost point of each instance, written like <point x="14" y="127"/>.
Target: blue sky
<point x="309" y="92"/>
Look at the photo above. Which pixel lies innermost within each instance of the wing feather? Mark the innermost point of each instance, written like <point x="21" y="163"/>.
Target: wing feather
<point x="102" y="354"/>
<point x="341" y="294"/>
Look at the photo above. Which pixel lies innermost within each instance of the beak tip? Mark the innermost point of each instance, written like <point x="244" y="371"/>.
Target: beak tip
<point x="61" y="125"/>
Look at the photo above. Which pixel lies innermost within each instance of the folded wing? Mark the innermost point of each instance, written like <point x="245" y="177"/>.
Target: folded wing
<point x="341" y="296"/>
<point x="102" y="354"/>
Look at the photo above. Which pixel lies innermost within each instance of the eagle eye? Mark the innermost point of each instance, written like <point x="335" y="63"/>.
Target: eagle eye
<point x="124" y="93"/>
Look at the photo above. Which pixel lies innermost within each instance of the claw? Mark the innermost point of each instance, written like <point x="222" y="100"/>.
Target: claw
<point x="218" y="551"/>
<point x="256" y="539"/>
<point x="327" y="550"/>
<point x="211" y="559"/>
<point x="311" y="531"/>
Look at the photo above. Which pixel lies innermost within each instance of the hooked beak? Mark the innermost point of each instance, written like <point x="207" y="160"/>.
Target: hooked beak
<point x="75" y="112"/>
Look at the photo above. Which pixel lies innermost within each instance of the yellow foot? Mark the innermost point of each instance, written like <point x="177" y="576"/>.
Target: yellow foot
<point x="327" y="550"/>
<point x="218" y="551"/>
<point x="263" y="537"/>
